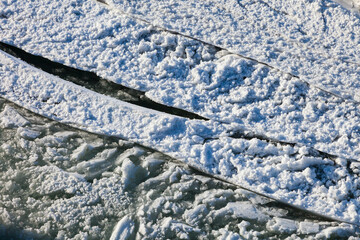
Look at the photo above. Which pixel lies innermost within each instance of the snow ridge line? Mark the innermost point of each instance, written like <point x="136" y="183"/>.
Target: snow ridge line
<point x="94" y="83"/>
<point x="229" y="51"/>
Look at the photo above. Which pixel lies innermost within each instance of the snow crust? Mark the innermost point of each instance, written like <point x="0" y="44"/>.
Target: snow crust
<point x="188" y="74"/>
<point x="318" y="43"/>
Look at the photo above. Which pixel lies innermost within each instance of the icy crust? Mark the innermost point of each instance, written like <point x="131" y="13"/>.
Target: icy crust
<point x="292" y="174"/>
<point x="318" y="40"/>
<point x="185" y="73"/>
<point x="46" y="194"/>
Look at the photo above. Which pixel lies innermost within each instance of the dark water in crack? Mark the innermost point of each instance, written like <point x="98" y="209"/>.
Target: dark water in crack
<point x="60" y="182"/>
<point x="93" y="82"/>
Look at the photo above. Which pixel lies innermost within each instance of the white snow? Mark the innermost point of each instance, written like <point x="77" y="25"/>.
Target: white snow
<point x="318" y="42"/>
<point x="229" y="157"/>
<point x="184" y="73"/>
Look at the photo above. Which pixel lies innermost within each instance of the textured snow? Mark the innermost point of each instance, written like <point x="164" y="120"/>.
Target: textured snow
<point x="185" y="73"/>
<point x="317" y="41"/>
<point x="319" y="44"/>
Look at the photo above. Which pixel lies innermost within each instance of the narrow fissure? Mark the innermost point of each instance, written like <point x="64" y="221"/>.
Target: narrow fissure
<point x="95" y="83"/>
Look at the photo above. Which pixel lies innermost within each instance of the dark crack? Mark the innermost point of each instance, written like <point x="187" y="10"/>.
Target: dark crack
<point x="95" y="83"/>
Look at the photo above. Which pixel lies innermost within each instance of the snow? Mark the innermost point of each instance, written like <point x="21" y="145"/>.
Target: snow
<point x="278" y="33"/>
<point x="287" y="71"/>
<point x="123" y="229"/>
<point x="184" y="73"/>
<point x="270" y="175"/>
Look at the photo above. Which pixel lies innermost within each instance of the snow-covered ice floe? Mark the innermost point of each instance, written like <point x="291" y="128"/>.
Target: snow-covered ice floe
<point x="283" y="71"/>
<point x="188" y="74"/>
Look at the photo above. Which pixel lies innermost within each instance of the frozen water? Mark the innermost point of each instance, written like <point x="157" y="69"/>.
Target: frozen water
<point x="45" y="195"/>
<point x="291" y="76"/>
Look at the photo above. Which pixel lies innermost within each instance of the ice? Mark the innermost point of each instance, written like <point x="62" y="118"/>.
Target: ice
<point x="340" y="231"/>
<point x="51" y="180"/>
<point x="10" y="118"/>
<point x="49" y="201"/>
<point x="244" y="83"/>
<point x="28" y="133"/>
<point x="282" y="225"/>
<point x="132" y="174"/>
<point x="64" y="135"/>
<point x="81" y="151"/>
<point x="195" y="214"/>
<point x="123" y="229"/>
<point x="245" y="210"/>
<point x="308" y="227"/>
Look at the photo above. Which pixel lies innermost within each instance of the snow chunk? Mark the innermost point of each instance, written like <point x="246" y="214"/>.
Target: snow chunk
<point x="245" y="210"/>
<point x="282" y="225"/>
<point x="10" y="118"/>
<point x="28" y="134"/>
<point x="123" y="229"/>
<point x="308" y="227"/>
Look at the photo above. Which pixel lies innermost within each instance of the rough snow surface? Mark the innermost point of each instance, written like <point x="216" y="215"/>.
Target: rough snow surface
<point x="318" y="43"/>
<point x="188" y="74"/>
<point x="291" y="173"/>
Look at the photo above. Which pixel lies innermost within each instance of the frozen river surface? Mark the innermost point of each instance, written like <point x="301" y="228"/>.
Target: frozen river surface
<point x="179" y="119"/>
